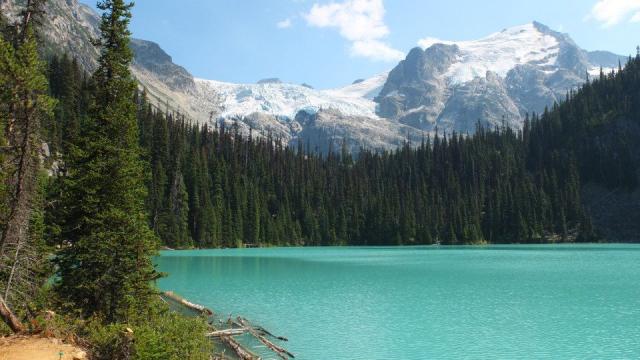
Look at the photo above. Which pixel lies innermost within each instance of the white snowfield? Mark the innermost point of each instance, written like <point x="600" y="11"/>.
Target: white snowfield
<point x="500" y="52"/>
<point x="286" y="100"/>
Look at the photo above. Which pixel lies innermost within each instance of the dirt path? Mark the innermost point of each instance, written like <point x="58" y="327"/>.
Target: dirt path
<point x="36" y="348"/>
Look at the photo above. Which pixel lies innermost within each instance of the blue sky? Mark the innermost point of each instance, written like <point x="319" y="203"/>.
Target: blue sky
<point x="329" y="43"/>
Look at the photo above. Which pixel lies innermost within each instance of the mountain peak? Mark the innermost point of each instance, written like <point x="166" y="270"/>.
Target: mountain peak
<point x="269" y="81"/>
<point x="500" y="52"/>
<point x="541" y="27"/>
<point x="498" y="78"/>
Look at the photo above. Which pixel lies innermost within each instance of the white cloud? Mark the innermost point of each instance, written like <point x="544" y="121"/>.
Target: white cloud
<point x="428" y="41"/>
<point x="376" y="50"/>
<point x="613" y="12"/>
<point x="284" y="24"/>
<point x="359" y="21"/>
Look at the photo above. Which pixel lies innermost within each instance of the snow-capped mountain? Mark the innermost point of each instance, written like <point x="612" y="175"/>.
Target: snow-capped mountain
<point x="295" y="112"/>
<point x="499" y="53"/>
<point x="450" y="86"/>
<point x="441" y="86"/>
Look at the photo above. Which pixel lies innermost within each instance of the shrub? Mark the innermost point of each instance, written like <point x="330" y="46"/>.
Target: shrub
<point x="163" y="336"/>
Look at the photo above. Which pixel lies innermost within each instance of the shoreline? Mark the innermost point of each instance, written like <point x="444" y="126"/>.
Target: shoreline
<point x="225" y="334"/>
<point x="433" y="246"/>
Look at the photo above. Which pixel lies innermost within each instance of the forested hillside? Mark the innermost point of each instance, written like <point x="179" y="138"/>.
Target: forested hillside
<point x="210" y="187"/>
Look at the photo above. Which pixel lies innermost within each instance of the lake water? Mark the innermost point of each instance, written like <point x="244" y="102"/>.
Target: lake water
<point x="494" y="302"/>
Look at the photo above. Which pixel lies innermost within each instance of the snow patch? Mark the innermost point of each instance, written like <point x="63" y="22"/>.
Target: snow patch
<point x="500" y="52"/>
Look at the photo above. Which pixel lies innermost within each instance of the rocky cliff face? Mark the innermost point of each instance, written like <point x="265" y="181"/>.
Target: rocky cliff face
<point x="69" y="27"/>
<point x="148" y="56"/>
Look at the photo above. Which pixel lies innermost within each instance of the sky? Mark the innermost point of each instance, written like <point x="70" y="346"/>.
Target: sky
<point x="331" y="43"/>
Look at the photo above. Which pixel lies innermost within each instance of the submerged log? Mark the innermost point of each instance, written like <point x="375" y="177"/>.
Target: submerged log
<point x="239" y="350"/>
<point x="283" y="353"/>
<point x="264" y="331"/>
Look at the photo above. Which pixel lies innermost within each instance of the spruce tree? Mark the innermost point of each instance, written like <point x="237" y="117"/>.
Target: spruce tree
<point x="106" y="269"/>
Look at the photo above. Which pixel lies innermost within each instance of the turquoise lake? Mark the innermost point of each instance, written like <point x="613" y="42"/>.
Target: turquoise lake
<point x="494" y="302"/>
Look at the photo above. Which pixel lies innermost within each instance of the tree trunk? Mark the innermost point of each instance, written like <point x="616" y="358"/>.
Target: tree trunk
<point x="10" y="318"/>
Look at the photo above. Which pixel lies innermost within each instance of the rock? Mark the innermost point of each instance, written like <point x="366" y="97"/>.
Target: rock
<point x="45" y="150"/>
<point x="148" y="56"/>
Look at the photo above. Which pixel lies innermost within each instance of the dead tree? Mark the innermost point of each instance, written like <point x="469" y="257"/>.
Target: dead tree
<point x="25" y="104"/>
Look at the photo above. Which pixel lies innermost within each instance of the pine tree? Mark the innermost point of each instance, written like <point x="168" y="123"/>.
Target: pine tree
<point x="107" y="271"/>
<point x="24" y="106"/>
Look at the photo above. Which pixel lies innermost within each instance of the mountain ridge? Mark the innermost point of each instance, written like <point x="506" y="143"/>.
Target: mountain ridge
<point x="498" y="79"/>
<point x="445" y="86"/>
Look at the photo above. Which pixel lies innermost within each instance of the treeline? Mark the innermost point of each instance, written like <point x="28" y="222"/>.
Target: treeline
<point x="596" y="125"/>
<point x="211" y="187"/>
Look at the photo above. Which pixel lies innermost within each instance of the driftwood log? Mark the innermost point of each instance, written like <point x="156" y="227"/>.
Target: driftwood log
<point x="187" y="303"/>
<point x="227" y="332"/>
<point x="238" y="327"/>
<point x="282" y="353"/>
<point x="239" y="350"/>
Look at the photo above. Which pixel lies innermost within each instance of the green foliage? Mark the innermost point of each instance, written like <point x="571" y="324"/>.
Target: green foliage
<point x="174" y="337"/>
<point x="162" y="336"/>
<point x="107" y="271"/>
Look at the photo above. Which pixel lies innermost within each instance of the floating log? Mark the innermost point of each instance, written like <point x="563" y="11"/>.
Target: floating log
<point x="188" y="304"/>
<point x="283" y="353"/>
<point x="227" y="332"/>
<point x="239" y="350"/>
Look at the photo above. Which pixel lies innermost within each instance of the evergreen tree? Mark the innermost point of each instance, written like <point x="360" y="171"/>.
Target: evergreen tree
<point x="106" y="270"/>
